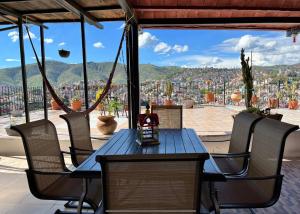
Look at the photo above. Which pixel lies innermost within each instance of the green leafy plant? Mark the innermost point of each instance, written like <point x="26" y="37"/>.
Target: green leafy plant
<point x="99" y="93"/>
<point x="253" y="110"/>
<point x="113" y="105"/>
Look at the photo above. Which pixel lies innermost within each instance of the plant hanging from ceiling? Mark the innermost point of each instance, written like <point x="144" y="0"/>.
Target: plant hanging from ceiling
<point x="247" y="78"/>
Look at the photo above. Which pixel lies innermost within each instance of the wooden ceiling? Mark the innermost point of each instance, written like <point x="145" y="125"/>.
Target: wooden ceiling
<point x="181" y="14"/>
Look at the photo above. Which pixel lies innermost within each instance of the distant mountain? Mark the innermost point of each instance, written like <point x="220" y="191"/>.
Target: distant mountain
<point x="60" y="73"/>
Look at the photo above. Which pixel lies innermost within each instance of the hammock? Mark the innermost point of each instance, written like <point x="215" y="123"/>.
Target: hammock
<point x="63" y="106"/>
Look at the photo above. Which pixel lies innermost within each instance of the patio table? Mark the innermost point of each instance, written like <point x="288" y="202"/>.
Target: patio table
<point x="172" y="141"/>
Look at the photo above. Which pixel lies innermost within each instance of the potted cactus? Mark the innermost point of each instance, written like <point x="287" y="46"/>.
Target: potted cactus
<point x="169" y="91"/>
<point x="291" y="92"/>
<point x="247" y="78"/>
<point x="76" y="103"/>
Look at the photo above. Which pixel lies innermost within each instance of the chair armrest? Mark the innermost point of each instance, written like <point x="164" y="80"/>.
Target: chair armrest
<point x="231" y="155"/>
<point x="83" y="150"/>
<point x="47" y="173"/>
<point x="254" y="178"/>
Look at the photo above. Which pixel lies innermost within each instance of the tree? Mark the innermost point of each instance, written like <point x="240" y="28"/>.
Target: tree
<point x="247" y="78"/>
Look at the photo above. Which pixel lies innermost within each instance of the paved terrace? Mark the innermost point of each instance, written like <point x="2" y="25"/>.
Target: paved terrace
<point x="15" y="196"/>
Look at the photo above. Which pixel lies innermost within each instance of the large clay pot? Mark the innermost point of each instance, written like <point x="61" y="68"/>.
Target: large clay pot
<point x="236" y="97"/>
<point x="209" y="97"/>
<point x="273" y="103"/>
<point x="106" y="124"/>
<point x="293" y="104"/>
<point x="168" y="102"/>
<point x="254" y="99"/>
<point x="76" y="105"/>
<point x="54" y="105"/>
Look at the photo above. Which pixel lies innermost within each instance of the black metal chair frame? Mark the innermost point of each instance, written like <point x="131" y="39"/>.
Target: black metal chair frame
<point x="245" y="155"/>
<point x="31" y="175"/>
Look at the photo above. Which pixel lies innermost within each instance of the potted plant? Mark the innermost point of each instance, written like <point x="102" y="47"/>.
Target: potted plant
<point x="273" y="102"/>
<point x="54" y="105"/>
<point x="64" y="53"/>
<point x="169" y="91"/>
<point x="76" y="103"/>
<point x="236" y="96"/>
<point x="254" y="99"/>
<point x="209" y="97"/>
<point x="106" y="123"/>
<point x="291" y="92"/>
<point x="98" y="94"/>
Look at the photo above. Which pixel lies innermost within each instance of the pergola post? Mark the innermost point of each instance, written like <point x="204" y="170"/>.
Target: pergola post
<point x="44" y="71"/>
<point x="133" y="71"/>
<point x="84" y="66"/>
<point x="128" y="43"/>
<point x="23" y="68"/>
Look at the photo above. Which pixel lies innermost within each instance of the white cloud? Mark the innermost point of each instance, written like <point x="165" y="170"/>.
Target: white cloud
<point x="32" y="35"/>
<point x="195" y="61"/>
<point x="12" y="60"/>
<point x="146" y="39"/>
<point x="61" y="44"/>
<point x="180" y="48"/>
<point x="162" y="48"/>
<point x="48" y="40"/>
<point x="98" y="45"/>
<point x="14" y="35"/>
<point x="266" y="50"/>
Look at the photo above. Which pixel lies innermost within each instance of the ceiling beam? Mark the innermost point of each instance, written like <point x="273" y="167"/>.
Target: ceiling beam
<point x="8" y="28"/>
<point x="128" y="10"/>
<point x="63" y="10"/>
<point x="8" y="19"/>
<point x="190" y="7"/>
<point x="74" y="7"/>
<point x="239" y="20"/>
<point x="10" y="12"/>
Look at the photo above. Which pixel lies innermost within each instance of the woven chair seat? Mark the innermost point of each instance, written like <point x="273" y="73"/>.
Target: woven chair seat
<point x="232" y="165"/>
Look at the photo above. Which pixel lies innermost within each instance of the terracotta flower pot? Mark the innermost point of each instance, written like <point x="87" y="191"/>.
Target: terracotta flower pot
<point x="254" y="99"/>
<point x="76" y="105"/>
<point x="236" y="97"/>
<point x="100" y="106"/>
<point x="106" y="124"/>
<point x="293" y="104"/>
<point x="209" y="97"/>
<point x="273" y="103"/>
<point x="54" y="105"/>
<point x="168" y="102"/>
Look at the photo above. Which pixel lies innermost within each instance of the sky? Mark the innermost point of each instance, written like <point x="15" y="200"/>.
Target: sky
<point x="184" y="48"/>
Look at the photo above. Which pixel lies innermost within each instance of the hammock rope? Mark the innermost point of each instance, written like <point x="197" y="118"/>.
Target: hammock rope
<point x="63" y="106"/>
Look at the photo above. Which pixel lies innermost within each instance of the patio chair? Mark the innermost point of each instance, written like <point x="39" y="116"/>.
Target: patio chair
<point x="170" y="116"/>
<point x="236" y="160"/>
<point x="47" y="175"/>
<point x="261" y="186"/>
<point x="152" y="183"/>
<point x="79" y="131"/>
